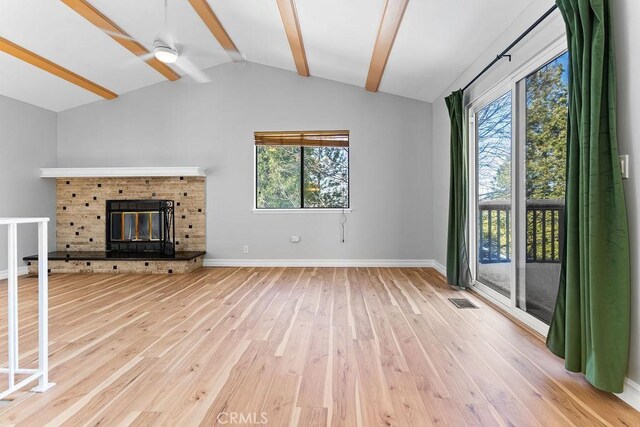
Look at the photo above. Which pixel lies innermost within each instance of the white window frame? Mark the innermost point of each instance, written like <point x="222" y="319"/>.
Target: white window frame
<point x="514" y="82"/>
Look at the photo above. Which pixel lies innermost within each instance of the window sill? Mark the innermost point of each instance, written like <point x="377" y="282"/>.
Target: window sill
<point x="300" y="211"/>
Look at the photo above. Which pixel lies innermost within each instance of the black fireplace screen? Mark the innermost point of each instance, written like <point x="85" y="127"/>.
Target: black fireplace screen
<point x="140" y="226"/>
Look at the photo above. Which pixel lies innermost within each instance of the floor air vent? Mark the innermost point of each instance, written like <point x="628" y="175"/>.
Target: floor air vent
<point x="462" y="303"/>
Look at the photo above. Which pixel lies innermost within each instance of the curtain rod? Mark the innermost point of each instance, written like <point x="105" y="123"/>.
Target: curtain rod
<point x="505" y="52"/>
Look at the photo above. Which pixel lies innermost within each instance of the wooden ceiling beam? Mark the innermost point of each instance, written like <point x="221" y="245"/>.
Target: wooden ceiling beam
<point x="53" y="68"/>
<point x="214" y="25"/>
<point x="389" y="25"/>
<point x="294" y="35"/>
<point x="93" y="15"/>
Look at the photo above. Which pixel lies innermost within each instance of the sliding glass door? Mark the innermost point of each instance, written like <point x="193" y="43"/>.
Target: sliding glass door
<point x="543" y="136"/>
<point x="493" y="189"/>
<point x="518" y="135"/>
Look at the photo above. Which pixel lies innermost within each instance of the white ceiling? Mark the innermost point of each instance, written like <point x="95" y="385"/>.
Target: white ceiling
<point x="437" y="41"/>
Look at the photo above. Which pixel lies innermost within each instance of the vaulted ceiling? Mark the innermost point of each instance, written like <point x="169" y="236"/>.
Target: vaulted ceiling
<point x="56" y="55"/>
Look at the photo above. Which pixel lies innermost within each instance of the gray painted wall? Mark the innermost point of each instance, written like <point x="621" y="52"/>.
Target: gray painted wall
<point x="27" y="143"/>
<point x="626" y="16"/>
<point x="212" y="125"/>
<point x="627" y="39"/>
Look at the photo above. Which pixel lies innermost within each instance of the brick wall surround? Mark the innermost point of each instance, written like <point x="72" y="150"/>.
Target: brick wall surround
<point x="81" y="216"/>
<point x="81" y="208"/>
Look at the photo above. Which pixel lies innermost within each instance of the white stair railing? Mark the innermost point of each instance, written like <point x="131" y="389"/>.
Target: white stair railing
<point x="13" y="369"/>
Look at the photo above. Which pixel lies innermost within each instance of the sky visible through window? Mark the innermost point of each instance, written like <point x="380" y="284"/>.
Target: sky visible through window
<point x="494" y="147"/>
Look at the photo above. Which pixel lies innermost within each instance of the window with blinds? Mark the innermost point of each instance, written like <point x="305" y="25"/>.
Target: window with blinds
<point x="302" y="170"/>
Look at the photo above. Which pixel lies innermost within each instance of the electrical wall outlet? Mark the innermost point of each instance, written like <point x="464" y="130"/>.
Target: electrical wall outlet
<point x="294" y="239"/>
<point x="245" y="249"/>
<point x="624" y="165"/>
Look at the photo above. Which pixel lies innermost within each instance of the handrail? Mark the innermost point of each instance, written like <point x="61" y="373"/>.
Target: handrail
<point x="531" y="203"/>
<point x="7" y="221"/>
<point x="13" y="369"/>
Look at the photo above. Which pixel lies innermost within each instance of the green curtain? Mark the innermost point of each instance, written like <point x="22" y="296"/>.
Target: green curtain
<point x="590" y="326"/>
<point x="458" y="273"/>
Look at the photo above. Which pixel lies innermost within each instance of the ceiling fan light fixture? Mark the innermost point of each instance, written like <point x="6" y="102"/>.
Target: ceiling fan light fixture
<point x="165" y="54"/>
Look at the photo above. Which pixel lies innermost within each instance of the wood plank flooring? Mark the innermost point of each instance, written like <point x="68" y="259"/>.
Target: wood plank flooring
<point x="290" y="346"/>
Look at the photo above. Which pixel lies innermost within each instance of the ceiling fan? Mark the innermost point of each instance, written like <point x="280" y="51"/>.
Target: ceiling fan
<point x="165" y="49"/>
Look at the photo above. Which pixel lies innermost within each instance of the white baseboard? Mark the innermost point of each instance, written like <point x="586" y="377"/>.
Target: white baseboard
<point x="22" y="270"/>
<point x="441" y="268"/>
<point x="208" y="262"/>
<point x="631" y="393"/>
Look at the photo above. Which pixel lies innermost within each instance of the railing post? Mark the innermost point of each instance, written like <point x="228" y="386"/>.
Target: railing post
<point x="43" y="309"/>
<point x="12" y="300"/>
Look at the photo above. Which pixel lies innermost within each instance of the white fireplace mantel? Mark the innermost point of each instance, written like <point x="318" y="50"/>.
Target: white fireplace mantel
<point x="127" y="172"/>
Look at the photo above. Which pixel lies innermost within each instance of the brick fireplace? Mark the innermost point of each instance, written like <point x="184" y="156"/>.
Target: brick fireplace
<point x="82" y="230"/>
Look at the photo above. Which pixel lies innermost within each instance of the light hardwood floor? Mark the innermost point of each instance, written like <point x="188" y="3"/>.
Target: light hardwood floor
<point x="331" y="346"/>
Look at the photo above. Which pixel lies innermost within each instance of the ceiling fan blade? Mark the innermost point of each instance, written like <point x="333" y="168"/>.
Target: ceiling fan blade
<point x="194" y="51"/>
<point x="119" y="35"/>
<point x="147" y="56"/>
<point x="192" y="70"/>
<point x="135" y="60"/>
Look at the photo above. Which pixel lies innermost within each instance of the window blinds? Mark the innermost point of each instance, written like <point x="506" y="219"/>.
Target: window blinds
<point x="316" y="138"/>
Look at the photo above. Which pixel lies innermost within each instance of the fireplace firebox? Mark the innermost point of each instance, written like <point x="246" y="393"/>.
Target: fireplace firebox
<point x="140" y="227"/>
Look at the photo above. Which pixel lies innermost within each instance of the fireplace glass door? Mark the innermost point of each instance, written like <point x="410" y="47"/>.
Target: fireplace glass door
<point x="140" y="227"/>
<point x="135" y="226"/>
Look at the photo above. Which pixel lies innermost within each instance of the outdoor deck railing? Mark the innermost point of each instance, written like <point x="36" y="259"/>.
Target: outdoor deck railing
<point x="545" y="221"/>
